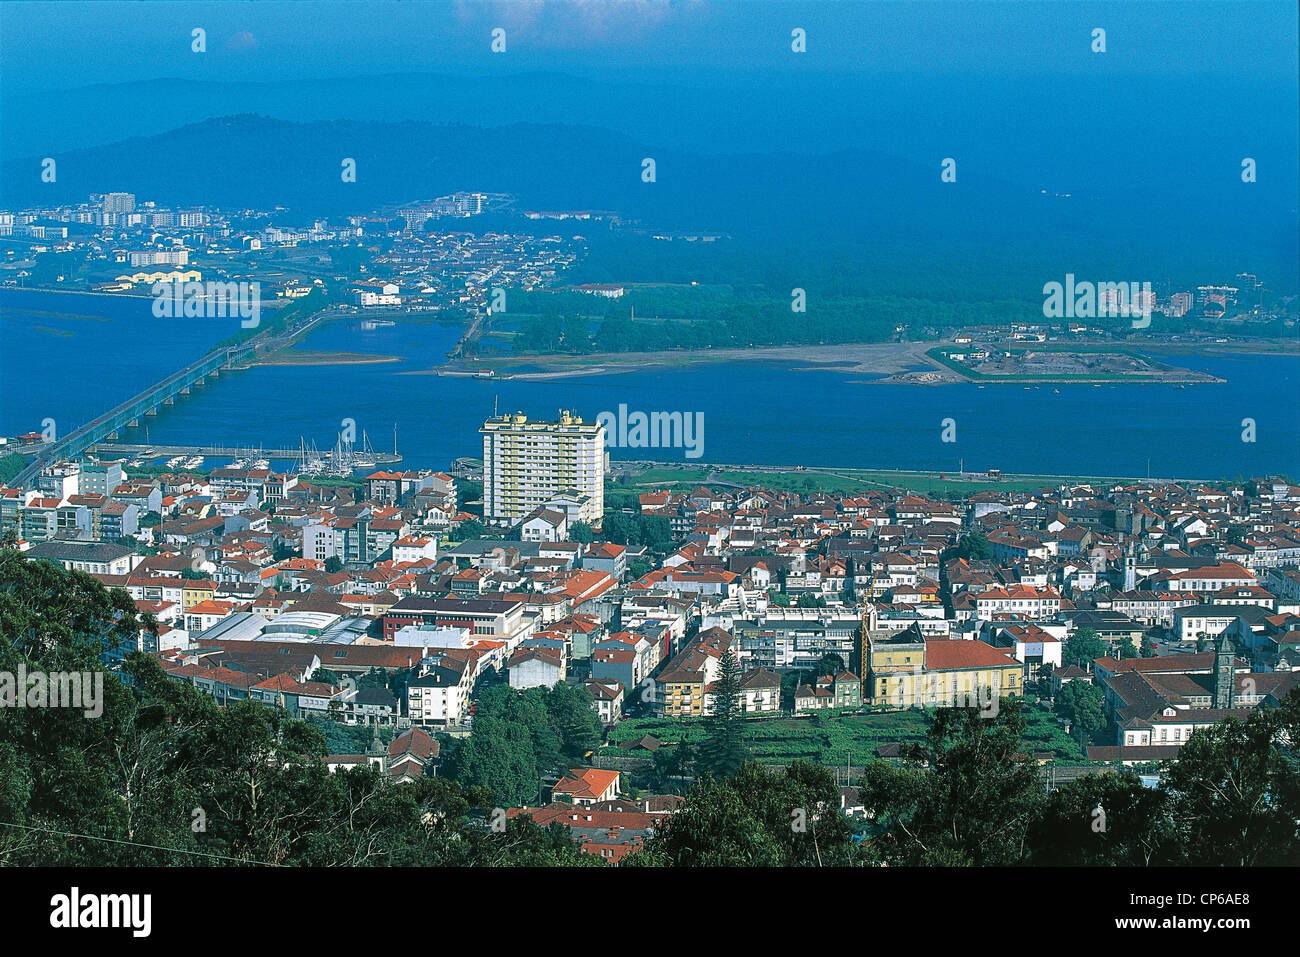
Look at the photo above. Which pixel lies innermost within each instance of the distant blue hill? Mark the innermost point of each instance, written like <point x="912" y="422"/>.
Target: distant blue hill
<point x="252" y="161"/>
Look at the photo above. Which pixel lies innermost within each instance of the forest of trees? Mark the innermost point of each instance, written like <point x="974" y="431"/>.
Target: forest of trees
<point x="761" y="321"/>
<point x="518" y="737"/>
<point x="737" y="293"/>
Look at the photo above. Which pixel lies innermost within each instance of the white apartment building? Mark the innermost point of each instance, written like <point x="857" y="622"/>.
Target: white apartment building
<point x="527" y="464"/>
<point x="441" y="695"/>
<point x="1018" y="599"/>
<point x="318" y="542"/>
<point x="1206" y="578"/>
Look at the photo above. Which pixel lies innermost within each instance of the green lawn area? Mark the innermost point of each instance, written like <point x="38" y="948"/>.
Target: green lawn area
<point x="685" y="479"/>
<point x="946" y="483"/>
<point x="831" y="739"/>
<point x="344" y="481"/>
<point x="842" y="480"/>
<point x="1044" y="734"/>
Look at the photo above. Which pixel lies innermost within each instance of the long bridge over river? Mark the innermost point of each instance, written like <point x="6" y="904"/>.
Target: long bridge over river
<point x="128" y="414"/>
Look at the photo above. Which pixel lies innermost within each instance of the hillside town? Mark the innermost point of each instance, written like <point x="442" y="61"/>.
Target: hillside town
<point x="392" y="607"/>
<point x="419" y="257"/>
<point x="432" y="256"/>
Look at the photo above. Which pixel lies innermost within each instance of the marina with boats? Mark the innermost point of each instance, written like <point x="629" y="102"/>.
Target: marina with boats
<point x="342" y="459"/>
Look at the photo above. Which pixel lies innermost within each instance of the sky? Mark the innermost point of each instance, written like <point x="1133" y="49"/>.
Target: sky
<point x="1181" y="94"/>
<point x="66" y="43"/>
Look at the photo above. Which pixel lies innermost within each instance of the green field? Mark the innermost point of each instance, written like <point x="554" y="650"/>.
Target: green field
<point x="842" y="480"/>
<point x="826" y="739"/>
<point x="684" y="479"/>
<point x="834" y="739"/>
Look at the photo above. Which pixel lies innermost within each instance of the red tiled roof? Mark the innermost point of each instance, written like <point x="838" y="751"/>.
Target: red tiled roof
<point x="947" y="654"/>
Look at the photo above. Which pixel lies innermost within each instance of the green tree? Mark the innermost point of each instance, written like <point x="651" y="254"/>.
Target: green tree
<point x="528" y="710"/>
<point x="575" y="720"/>
<point x="469" y="529"/>
<point x="653" y="531"/>
<point x="966" y="798"/>
<point x="468" y="491"/>
<point x="1083" y="705"/>
<point x="498" y="756"/>
<point x="1082" y="648"/>
<point x="974" y="546"/>
<point x="670" y="765"/>
<point x="523" y="844"/>
<point x="1237" y="790"/>
<point x="757" y="818"/>
<point x="723" y="750"/>
<point x="1104" y="820"/>
<point x="829" y="664"/>
<point x="639" y="568"/>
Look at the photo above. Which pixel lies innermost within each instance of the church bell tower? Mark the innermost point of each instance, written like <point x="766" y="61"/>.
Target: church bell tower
<point x="1225" y="658"/>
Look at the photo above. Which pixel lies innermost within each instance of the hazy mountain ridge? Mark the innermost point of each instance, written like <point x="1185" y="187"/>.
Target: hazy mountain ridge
<point x="253" y="161"/>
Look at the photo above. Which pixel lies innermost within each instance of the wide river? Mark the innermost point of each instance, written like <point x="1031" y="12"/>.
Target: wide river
<point x="69" y="357"/>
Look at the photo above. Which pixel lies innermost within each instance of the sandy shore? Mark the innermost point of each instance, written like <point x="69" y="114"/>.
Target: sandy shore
<point x="292" y="357"/>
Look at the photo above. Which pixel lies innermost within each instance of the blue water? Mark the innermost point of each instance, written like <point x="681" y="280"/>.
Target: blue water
<point x="755" y="412"/>
<point x="71" y="357"/>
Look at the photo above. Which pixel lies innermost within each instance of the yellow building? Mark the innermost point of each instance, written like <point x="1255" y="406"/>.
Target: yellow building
<point x="195" y="591"/>
<point x="906" y="669"/>
<point x="891" y="657"/>
<point x="681" y="695"/>
<point x="683" y="686"/>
